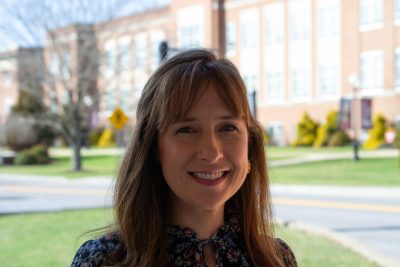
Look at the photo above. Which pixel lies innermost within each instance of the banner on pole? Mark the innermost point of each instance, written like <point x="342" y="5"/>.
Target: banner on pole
<point x="345" y="114"/>
<point x="366" y="113"/>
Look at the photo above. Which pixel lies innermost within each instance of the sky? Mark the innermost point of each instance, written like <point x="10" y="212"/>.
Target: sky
<point x="22" y="22"/>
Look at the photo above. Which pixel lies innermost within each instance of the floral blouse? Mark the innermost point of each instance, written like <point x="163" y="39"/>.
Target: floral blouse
<point x="184" y="247"/>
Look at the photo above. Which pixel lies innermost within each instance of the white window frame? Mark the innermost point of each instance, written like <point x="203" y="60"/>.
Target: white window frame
<point x="190" y="26"/>
<point x="299" y="20"/>
<point x="274" y="22"/>
<point x="249" y="29"/>
<point x="374" y="15"/>
<point x="141" y="53"/>
<point x="279" y="138"/>
<point x="125" y="53"/>
<point x="375" y="60"/>
<point x="328" y="14"/>
<point x="397" y="70"/>
<point x="230" y="38"/>
<point x="396" y="12"/>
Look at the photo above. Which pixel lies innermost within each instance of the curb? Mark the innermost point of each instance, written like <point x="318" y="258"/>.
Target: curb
<point x="370" y="254"/>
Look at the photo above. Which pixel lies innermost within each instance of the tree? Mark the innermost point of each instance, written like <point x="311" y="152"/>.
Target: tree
<point x="306" y="131"/>
<point x="63" y="75"/>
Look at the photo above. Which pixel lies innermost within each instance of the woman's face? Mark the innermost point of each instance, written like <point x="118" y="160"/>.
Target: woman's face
<point x="204" y="157"/>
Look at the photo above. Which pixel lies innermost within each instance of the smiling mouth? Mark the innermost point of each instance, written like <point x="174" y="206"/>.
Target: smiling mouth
<point x="208" y="178"/>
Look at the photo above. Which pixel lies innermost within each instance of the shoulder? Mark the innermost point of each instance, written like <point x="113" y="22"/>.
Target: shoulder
<point x="286" y="253"/>
<point x="104" y="250"/>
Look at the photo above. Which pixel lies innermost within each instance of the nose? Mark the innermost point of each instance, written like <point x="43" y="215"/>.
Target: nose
<point x="210" y="148"/>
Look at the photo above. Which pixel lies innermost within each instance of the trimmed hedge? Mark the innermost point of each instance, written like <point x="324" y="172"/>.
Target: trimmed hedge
<point x="35" y="155"/>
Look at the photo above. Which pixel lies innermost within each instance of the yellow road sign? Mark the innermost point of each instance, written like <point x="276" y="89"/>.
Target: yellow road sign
<point x="118" y="119"/>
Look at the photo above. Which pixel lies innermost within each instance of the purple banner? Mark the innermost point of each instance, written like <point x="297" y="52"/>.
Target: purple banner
<point x="366" y="113"/>
<point x="345" y="114"/>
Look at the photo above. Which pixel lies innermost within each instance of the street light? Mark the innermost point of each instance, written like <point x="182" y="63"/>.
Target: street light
<point x="355" y="84"/>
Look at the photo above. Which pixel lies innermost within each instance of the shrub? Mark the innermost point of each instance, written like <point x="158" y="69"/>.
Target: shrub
<point x="329" y="134"/>
<point x="376" y="136"/>
<point x="339" y="138"/>
<point x="396" y="142"/>
<point x="20" y="132"/>
<point x="306" y="131"/>
<point x="266" y="137"/>
<point x="107" y="138"/>
<point x="35" y="155"/>
<point x="94" y="136"/>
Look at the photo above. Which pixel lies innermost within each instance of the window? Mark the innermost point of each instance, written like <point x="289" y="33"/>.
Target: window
<point x="371" y="68"/>
<point x="328" y="80"/>
<point x="54" y="64"/>
<point x="190" y="26"/>
<point x="275" y="131"/>
<point x="300" y="71"/>
<point x="126" y="90"/>
<point x="274" y="52"/>
<point x="141" y="50"/>
<point x="230" y="38"/>
<point x="274" y="24"/>
<point x="371" y="14"/>
<point x="328" y="18"/>
<point x="397" y="12"/>
<point x="300" y="83"/>
<point x="110" y="99"/>
<point x="249" y="28"/>
<point x="299" y="20"/>
<point x="274" y="85"/>
<point x="110" y="58"/>
<point x="397" y="71"/>
<point x="66" y="65"/>
<point x="125" y="57"/>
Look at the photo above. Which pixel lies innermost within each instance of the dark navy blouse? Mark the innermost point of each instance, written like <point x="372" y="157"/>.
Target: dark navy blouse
<point x="184" y="247"/>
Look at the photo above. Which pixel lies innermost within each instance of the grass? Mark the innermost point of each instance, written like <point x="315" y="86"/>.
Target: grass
<point x="51" y="239"/>
<point x="374" y="171"/>
<point x="313" y="250"/>
<point x="339" y="172"/>
<point x="92" y="166"/>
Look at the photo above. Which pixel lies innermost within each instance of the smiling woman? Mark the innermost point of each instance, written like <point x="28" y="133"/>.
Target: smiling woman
<point x="193" y="188"/>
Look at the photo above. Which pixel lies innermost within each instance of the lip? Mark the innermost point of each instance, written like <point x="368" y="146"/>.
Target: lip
<point x="208" y="182"/>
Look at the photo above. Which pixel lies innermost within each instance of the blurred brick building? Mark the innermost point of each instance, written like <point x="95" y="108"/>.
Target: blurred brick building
<point x="297" y="55"/>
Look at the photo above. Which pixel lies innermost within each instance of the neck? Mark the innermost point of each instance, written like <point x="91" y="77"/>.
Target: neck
<point x="204" y="222"/>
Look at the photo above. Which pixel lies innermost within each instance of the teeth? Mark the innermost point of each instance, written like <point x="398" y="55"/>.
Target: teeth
<point x="208" y="176"/>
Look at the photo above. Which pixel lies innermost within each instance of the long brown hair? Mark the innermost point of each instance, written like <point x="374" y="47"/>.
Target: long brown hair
<point x="141" y="202"/>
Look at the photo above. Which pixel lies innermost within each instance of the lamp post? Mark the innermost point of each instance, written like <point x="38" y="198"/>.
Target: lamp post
<point x="355" y="84"/>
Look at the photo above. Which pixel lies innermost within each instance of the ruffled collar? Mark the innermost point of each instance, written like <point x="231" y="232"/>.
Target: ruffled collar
<point x="186" y="249"/>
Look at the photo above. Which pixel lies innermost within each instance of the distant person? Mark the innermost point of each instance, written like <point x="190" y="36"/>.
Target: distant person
<point x="193" y="188"/>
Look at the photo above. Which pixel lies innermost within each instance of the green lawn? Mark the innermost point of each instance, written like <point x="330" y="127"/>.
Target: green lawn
<point x="51" y="239"/>
<point x="376" y="171"/>
<point x="92" y="166"/>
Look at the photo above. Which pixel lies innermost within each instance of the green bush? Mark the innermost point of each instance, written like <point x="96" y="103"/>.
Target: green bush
<point x="35" y="155"/>
<point x="329" y="134"/>
<point x="396" y="142"/>
<point x="376" y="136"/>
<point x="306" y="131"/>
<point x="94" y="136"/>
<point x="339" y="138"/>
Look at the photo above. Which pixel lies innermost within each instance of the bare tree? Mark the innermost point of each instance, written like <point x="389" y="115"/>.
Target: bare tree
<point x="63" y="75"/>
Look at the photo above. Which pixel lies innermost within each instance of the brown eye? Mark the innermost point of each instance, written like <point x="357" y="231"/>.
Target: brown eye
<point x="229" y="128"/>
<point x="185" y="130"/>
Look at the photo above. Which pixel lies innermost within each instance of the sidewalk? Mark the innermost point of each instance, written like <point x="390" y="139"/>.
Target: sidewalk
<point x="313" y="157"/>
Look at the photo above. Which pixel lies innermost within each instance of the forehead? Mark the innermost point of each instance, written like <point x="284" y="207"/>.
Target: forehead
<point x="209" y="103"/>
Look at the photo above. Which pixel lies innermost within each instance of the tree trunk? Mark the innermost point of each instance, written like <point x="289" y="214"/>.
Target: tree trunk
<point x="76" y="157"/>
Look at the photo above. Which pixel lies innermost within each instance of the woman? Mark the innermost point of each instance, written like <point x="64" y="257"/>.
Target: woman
<point x="192" y="189"/>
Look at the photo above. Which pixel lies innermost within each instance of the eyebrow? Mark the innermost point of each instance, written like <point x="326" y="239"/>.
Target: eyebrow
<point x="228" y="117"/>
